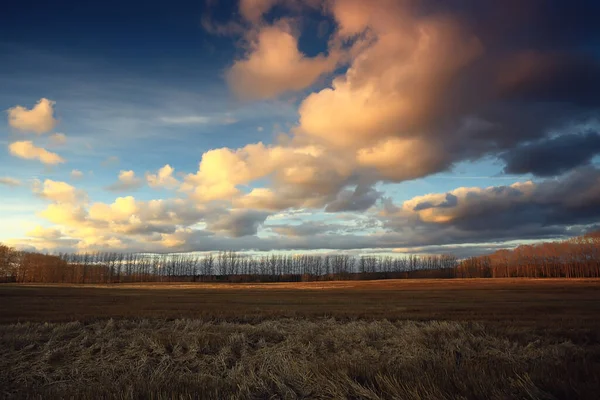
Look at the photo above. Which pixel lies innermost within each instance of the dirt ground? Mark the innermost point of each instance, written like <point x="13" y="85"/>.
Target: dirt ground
<point x="544" y="303"/>
<point x="410" y="339"/>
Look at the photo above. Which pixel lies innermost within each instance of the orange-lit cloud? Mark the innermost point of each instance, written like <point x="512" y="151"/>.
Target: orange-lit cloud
<point x="274" y="65"/>
<point x="60" y="192"/>
<point x="466" y="202"/>
<point x="8" y="181"/>
<point x="253" y="10"/>
<point x="127" y="181"/>
<point x="163" y="178"/>
<point x="45" y="233"/>
<point x="393" y="85"/>
<point x="27" y="150"/>
<point x="39" y="119"/>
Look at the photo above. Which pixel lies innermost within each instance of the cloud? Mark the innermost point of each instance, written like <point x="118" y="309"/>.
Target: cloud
<point x="464" y="216"/>
<point x="551" y="75"/>
<point x="27" y="150"/>
<point x="399" y="159"/>
<point x="163" y="178"/>
<point x="39" y="119"/>
<point x="394" y="84"/>
<point x="311" y="228"/>
<point x="76" y="174"/>
<point x="60" y="245"/>
<point x="222" y="170"/>
<point x="416" y="87"/>
<point x="427" y="85"/>
<point x="198" y="120"/>
<point x="115" y="231"/>
<point x="67" y="215"/>
<point x="112" y="160"/>
<point x="274" y="65"/>
<point x="58" y="139"/>
<point x="472" y="214"/>
<point x="552" y="156"/>
<point x="450" y="201"/>
<point x="265" y="199"/>
<point x="368" y="126"/>
<point x="253" y="10"/>
<point x="359" y="199"/>
<point x="237" y="223"/>
<point x="125" y="224"/>
<point x="301" y="176"/>
<point x="126" y="181"/>
<point x="460" y="251"/>
<point x="12" y="182"/>
<point x="186" y="120"/>
<point x="59" y="192"/>
<point x="45" y="233"/>
<point x="128" y="216"/>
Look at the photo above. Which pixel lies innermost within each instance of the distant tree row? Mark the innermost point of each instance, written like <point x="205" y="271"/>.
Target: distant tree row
<point x="112" y="267"/>
<point x="574" y="258"/>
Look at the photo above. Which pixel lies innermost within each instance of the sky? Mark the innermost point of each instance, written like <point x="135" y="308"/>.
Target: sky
<point x="387" y="126"/>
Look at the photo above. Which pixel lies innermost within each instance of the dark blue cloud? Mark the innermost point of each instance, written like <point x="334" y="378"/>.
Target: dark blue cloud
<point x="359" y="199"/>
<point x="552" y="156"/>
<point x="451" y="201"/>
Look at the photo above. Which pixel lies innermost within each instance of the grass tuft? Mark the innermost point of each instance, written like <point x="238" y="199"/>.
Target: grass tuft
<point x="291" y="359"/>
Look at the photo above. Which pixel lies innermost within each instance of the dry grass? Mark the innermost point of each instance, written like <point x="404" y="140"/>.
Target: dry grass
<point x="290" y="359"/>
<point x="425" y="339"/>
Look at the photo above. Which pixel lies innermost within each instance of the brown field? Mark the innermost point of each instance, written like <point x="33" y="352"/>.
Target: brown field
<point x="518" y="302"/>
<point x="421" y="339"/>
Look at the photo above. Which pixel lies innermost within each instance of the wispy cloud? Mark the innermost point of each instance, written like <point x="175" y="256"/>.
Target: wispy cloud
<point x="76" y="174"/>
<point x="112" y="160"/>
<point x="198" y="120"/>
<point x="58" y="139"/>
<point x="9" y="181"/>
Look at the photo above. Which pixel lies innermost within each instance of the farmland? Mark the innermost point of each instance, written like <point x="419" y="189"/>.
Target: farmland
<point x="475" y="338"/>
<point x="527" y="302"/>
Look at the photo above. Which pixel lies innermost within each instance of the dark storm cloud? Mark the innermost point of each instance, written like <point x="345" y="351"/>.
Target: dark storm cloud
<point x="525" y="23"/>
<point x="389" y="240"/>
<point x="237" y="223"/>
<point x="552" y="156"/>
<point x="538" y="75"/>
<point x="553" y="76"/>
<point x="549" y="208"/>
<point x="359" y="199"/>
<point x="451" y="201"/>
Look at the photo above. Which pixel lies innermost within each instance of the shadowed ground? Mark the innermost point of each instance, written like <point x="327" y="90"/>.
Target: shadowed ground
<point x="518" y="302"/>
<point x="290" y="359"/>
<point x="422" y="339"/>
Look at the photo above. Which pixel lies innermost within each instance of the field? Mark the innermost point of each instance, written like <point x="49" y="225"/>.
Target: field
<point x="421" y="339"/>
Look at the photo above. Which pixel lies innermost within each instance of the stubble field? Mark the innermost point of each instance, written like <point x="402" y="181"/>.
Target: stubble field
<point x="421" y="339"/>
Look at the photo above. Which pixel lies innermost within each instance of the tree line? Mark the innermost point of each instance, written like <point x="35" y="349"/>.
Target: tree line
<point x="577" y="257"/>
<point x="228" y="266"/>
<point x="574" y="258"/>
